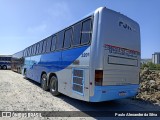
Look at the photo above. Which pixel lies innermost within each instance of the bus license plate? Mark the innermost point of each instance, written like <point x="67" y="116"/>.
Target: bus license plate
<point x="122" y="93"/>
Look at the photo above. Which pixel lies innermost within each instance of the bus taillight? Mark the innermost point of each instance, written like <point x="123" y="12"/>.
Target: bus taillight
<point x="98" y="77"/>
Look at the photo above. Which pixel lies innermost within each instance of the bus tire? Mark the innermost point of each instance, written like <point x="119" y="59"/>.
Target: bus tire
<point x="25" y="72"/>
<point x="20" y="70"/>
<point x="4" y="67"/>
<point x="44" y="82"/>
<point x="54" y="86"/>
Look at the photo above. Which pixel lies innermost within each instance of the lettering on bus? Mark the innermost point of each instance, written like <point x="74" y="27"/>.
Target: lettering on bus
<point x="126" y="26"/>
<point x="121" y="51"/>
<point x="85" y="55"/>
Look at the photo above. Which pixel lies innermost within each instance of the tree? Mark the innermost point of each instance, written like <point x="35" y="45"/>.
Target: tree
<point x="144" y="65"/>
<point x="151" y="66"/>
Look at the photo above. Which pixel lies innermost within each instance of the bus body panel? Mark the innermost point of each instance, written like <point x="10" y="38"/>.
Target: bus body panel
<point x="66" y="76"/>
<point x="121" y="49"/>
<point x="112" y="92"/>
<point x="52" y="62"/>
<point x="95" y="62"/>
<point x="118" y="55"/>
<point x="62" y="64"/>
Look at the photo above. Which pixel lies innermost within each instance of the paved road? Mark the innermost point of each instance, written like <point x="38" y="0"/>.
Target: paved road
<point x="19" y="94"/>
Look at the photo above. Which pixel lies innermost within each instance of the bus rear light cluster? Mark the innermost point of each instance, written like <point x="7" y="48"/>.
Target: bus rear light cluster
<point x="98" y="77"/>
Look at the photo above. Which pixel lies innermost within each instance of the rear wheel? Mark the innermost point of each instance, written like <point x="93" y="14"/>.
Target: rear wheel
<point x="4" y="67"/>
<point x="44" y="82"/>
<point x="54" y="86"/>
<point x="20" y="70"/>
<point x="25" y="72"/>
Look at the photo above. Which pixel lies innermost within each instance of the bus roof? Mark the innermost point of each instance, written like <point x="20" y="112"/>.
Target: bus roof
<point x="5" y="55"/>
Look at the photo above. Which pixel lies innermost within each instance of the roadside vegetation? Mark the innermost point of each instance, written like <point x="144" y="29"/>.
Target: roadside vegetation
<point x="150" y="83"/>
<point x="150" y="66"/>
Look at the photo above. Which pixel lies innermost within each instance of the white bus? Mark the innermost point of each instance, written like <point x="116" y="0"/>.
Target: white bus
<point x="17" y="62"/>
<point x="95" y="59"/>
<point x="5" y="62"/>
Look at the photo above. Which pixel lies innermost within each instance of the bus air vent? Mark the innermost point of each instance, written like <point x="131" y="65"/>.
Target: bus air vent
<point x="78" y="81"/>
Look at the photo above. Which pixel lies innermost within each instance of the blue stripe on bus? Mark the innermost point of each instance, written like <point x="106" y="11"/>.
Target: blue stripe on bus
<point x="54" y="61"/>
<point x="105" y="93"/>
<point x="60" y="60"/>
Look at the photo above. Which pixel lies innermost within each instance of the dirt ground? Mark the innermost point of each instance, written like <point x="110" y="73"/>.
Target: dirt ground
<point x="149" y="86"/>
<point x="19" y="94"/>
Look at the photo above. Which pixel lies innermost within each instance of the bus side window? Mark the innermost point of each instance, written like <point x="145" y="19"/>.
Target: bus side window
<point x="24" y="53"/>
<point x="76" y="34"/>
<point x="48" y="49"/>
<point x="27" y="51"/>
<point x="53" y="46"/>
<point x="40" y="47"/>
<point x="68" y="38"/>
<point x="34" y="51"/>
<point x="59" y="43"/>
<point x="44" y="46"/>
<point x="86" y="32"/>
<point x="37" y="48"/>
<point x="30" y="51"/>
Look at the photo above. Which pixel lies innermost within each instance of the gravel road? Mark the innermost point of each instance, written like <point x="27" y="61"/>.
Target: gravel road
<point x="19" y="94"/>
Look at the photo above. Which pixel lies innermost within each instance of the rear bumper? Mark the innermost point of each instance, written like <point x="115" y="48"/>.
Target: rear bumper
<point x="106" y="93"/>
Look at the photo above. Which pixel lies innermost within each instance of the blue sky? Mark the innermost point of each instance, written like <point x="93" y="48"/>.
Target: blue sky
<point x="25" y="22"/>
